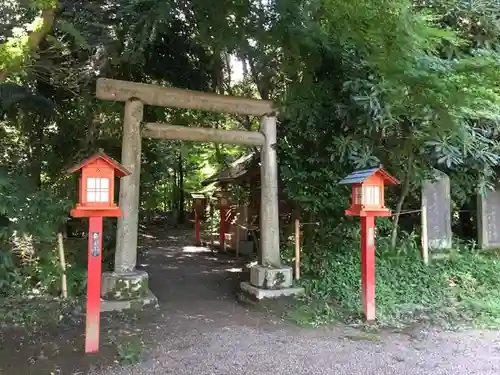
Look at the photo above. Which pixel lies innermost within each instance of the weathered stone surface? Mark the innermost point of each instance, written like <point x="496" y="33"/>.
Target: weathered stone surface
<point x="271" y="277"/>
<point x="126" y="234"/>
<point x="166" y="131"/>
<point x="488" y="219"/>
<point x="258" y="294"/>
<point x="116" y="90"/>
<point x="147" y="301"/>
<point x="436" y="205"/>
<point x="124" y="286"/>
<point x="269" y="208"/>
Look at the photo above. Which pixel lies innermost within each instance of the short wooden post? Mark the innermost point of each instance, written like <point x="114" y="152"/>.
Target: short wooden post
<point x="297" y="249"/>
<point x="197" y="228"/>
<point x="424" y="238"/>
<point x="62" y="261"/>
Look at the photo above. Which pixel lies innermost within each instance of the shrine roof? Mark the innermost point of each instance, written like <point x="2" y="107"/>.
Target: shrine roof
<point x="198" y="196"/>
<point x="236" y="169"/>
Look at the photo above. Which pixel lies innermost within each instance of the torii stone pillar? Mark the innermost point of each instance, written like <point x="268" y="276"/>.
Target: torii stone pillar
<point x="126" y="283"/>
<point x="126" y="239"/>
<point x="269" y="210"/>
<point x="269" y="278"/>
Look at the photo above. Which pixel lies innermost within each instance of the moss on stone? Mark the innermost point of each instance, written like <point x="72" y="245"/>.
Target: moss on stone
<point x="128" y="289"/>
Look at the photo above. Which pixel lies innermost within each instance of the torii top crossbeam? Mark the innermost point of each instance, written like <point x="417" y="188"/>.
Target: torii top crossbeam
<point x="121" y="91"/>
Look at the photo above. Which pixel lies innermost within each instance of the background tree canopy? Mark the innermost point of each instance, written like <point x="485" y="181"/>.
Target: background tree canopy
<point x="413" y="85"/>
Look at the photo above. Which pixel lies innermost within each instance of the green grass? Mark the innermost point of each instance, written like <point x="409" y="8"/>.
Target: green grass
<point x="462" y="289"/>
<point x="130" y="352"/>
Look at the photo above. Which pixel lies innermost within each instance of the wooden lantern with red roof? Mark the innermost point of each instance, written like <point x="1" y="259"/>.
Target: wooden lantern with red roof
<point x="96" y="201"/>
<point x="199" y="202"/>
<point x="223" y="198"/>
<point x="368" y="202"/>
<point x="97" y="186"/>
<point x="368" y="192"/>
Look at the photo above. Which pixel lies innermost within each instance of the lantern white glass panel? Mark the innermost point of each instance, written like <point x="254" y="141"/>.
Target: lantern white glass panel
<point x="371" y="195"/>
<point x="366" y="194"/>
<point x="376" y="191"/>
<point x="103" y="195"/>
<point x="97" y="190"/>
<point x="91" y="196"/>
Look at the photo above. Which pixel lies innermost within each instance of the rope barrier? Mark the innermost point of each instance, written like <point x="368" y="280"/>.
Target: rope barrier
<point x="420" y="210"/>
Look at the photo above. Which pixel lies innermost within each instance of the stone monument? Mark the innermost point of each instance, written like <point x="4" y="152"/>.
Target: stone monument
<point x="488" y="219"/>
<point x="436" y="212"/>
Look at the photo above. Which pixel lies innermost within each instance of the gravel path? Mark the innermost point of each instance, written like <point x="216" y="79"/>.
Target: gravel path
<point x="201" y="330"/>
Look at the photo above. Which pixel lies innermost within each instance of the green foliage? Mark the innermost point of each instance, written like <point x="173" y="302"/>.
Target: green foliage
<point x="50" y="119"/>
<point x="18" y="49"/>
<point x="39" y="213"/>
<point x="416" y="92"/>
<point x="130" y="352"/>
<point x="29" y="220"/>
<point x="461" y="289"/>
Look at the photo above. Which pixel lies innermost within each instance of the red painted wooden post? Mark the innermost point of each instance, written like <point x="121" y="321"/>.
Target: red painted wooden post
<point x="199" y="206"/>
<point x="368" y="266"/>
<point x="95" y="201"/>
<point x="197" y="228"/>
<point x="93" y="285"/>
<point x="367" y="201"/>
<point x="222" y="227"/>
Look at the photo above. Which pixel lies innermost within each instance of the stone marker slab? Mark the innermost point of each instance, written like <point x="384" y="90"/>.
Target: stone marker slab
<point x="488" y="219"/>
<point x="436" y="204"/>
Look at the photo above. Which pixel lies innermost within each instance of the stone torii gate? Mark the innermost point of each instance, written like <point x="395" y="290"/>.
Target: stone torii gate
<point x="126" y="284"/>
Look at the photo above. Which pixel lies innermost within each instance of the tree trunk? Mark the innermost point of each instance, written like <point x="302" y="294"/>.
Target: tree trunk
<point x="399" y="205"/>
<point x="36" y="145"/>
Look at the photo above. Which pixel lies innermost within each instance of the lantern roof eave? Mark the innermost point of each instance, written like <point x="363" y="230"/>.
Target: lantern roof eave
<point x="121" y="171"/>
<point x="359" y="176"/>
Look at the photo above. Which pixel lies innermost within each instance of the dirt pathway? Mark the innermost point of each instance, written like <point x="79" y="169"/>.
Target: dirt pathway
<point x="204" y="331"/>
<point x="199" y="328"/>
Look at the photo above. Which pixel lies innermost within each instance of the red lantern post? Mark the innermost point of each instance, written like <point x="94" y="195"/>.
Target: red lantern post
<point x="224" y="205"/>
<point x="95" y="201"/>
<point x="199" y="202"/>
<point x="368" y="202"/>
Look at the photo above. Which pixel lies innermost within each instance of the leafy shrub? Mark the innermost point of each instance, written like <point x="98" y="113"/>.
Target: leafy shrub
<point x="29" y="220"/>
<point x="462" y="287"/>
